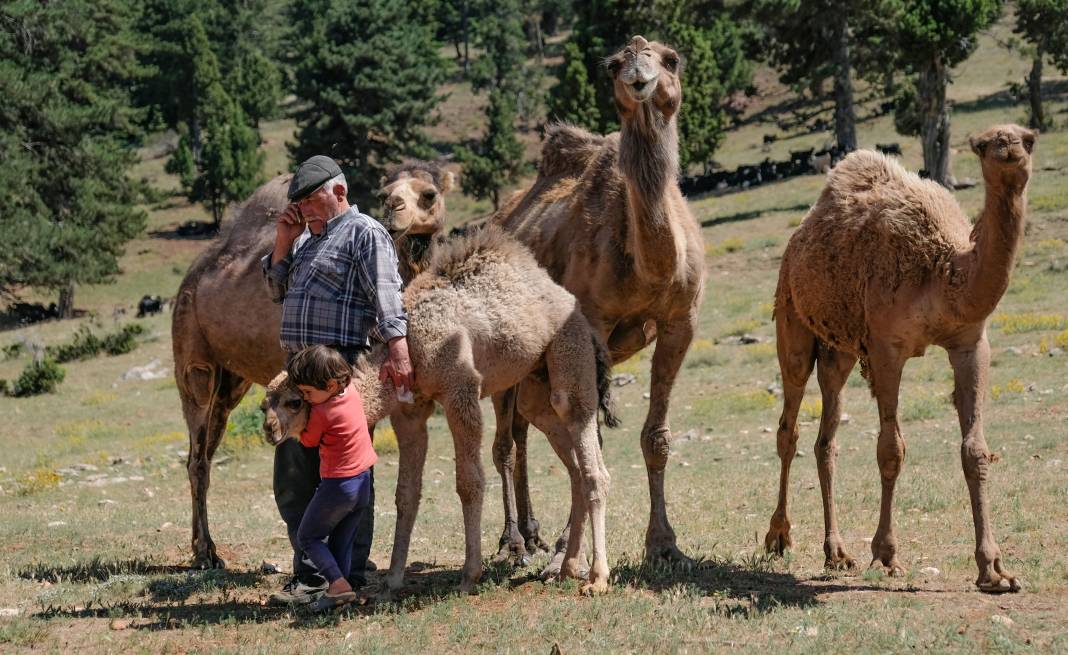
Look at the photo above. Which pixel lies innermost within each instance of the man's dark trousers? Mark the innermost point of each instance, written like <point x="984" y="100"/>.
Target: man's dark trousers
<point x="296" y="475"/>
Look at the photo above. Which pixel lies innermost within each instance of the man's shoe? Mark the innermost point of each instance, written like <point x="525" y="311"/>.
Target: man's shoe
<point x="298" y="593"/>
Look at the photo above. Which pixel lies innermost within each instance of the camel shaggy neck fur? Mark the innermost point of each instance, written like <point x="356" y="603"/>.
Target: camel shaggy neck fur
<point x="884" y="265"/>
<point x="607" y="220"/>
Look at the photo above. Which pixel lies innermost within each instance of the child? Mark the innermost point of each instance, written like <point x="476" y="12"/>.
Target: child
<point x="338" y="427"/>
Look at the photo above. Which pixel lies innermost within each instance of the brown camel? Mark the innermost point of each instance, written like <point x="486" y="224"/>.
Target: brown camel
<point x="884" y="265"/>
<point x="413" y="210"/>
<point x="219" y="352"/>
<point x="480" y="319"/>
<point x="606" y="218"/>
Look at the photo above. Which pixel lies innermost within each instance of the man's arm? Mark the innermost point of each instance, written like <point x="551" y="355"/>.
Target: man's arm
<point x="276" y="265"/>
<point x="378" y="267"/>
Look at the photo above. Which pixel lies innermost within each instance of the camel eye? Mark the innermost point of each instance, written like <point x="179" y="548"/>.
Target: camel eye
<point x="294" y="404"/>
<point x="672" y="62"/>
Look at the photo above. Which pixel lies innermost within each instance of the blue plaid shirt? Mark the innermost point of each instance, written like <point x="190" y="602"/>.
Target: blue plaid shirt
<point x="340" y="287"/>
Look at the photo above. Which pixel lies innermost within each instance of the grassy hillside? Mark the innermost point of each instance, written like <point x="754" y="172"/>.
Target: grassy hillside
<point x="96" y="502"/>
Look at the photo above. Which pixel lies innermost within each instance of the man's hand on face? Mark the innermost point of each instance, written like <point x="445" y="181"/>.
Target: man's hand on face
<point x="397" y="366"/>
<point x="290" y="223"/>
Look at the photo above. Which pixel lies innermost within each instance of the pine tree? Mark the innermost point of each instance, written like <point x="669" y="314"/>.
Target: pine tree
<point x="934" y="36"/>
<point x="574" y="99"/>
<point x="497" y="160"/>
<point x="369" y="78"/>
<point x="218" y="159"/>
<point x="714" y="67"/>
<point x="68" y="127"/>
<point x="1042" y="23"/>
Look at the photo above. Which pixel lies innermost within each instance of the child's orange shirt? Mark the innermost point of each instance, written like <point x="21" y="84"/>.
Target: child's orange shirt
<point x="339" y="428"/>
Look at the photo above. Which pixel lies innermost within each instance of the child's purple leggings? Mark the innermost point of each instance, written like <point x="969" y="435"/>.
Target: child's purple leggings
<point x="333" y="514"/>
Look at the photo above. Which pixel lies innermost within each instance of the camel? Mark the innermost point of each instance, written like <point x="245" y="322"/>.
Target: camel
<point x="884" y="265"/>
<point x="219" y="352"/>
<point x="481" y="318"/>
<point x="606" y="218"/>
<point x="413" y="210"/>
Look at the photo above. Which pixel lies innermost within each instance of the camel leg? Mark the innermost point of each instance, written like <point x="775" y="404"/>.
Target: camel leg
<point x="409" y="422"/>
<point x="886" y="366"/>
<point x="529" y="526"/>
<point x="672" y="342"/>
<point x="833" y="368"/>
<point x="209" y="393"/>
<point x="465" y="422"/>
<point x="970" y="370"/>
<point x="797" y="352"/>
<point x="511" y="546"/>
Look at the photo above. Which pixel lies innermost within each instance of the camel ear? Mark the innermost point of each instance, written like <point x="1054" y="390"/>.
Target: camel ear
<point x="382" y="182"/>
<point x="979" y="144"/>
<point x="447" y="182"/>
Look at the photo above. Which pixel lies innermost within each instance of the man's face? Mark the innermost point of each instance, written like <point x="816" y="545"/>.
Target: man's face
<point x="320" y="206"/>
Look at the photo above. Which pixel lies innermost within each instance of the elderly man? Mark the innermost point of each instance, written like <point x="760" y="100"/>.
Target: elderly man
<point x="334" y="271"/>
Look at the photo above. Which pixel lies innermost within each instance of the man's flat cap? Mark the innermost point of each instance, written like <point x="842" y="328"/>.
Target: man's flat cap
<point x="312" y="174"/>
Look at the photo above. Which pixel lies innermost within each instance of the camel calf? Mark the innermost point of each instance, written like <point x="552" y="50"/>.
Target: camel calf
<point x="484" y="317"/>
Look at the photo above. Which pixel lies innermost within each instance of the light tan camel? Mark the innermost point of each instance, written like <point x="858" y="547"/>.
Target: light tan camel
<point x="481" y="319"/>
<point x="606" y="218"/>
<point x="413" y="210"/>
<point x="225" y="328"/>
<point x="884" y="265"/>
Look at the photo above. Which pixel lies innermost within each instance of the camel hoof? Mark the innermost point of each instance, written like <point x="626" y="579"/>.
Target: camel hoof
<point x="536" y="545"/>
<point x="469" y="587"/>
<point x="777" y="542"/>
<point x="840" y="563"/>
<point x="891" y="570"/>
<point x="514" y="554"/>
<point x="595" y="588"/>
<point x="208" y="561"/>
<point x="999" y="586"/>
<point x="668" y="554"/>
<point x="552" y="569"/>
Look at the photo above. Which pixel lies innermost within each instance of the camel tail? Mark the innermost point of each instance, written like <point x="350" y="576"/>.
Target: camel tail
<point x="604" y="383"/>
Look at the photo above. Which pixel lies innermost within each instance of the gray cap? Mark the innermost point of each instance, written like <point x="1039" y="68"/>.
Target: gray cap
<point x="312" y="174"/>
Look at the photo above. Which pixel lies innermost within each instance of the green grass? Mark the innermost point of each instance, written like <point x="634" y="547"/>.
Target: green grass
<point x="92" y="559"/>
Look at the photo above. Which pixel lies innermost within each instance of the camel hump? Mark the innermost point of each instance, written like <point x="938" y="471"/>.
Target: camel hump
<point x="568" y="149"/>
<point x="863" y="170"/>
<point x="474" y="253"/>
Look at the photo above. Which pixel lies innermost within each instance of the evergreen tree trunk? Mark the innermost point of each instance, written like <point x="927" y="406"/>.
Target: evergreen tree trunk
<point x="195" y="139"/>
<point x="66" y="300"/>
<point x="1034" y="88"/>
<point x="538" y="41"/>
<point x="845" y="119"/>
<point x="934" y="131"/>
<point x="467" y="38"/>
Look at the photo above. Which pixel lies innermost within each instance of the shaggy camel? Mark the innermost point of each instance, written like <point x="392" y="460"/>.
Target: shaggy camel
<point x="606" y="218"/>
<point x="884" y="265"/>
<point x="219" y="352"/>
<point x="480" y="319"/>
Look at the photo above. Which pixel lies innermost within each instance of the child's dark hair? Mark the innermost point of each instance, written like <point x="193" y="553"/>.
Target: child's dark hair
<point x="315" y="366"/>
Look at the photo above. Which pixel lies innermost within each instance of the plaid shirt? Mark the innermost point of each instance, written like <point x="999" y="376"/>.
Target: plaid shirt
<point x="340" y="287"/>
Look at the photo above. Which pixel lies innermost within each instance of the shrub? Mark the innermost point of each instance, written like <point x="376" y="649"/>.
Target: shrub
<point x="84" y="346"/>
<point x="123" y="341"/>
<point x="13" y="350"/>
<point x="39" y="377"/>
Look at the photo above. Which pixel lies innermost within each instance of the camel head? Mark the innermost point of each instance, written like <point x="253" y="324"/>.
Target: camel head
<point x="413" y="198"/>
<point x="643" y="73"/>
<point x="285" y="413"/>
<point x="1005" y="154"/>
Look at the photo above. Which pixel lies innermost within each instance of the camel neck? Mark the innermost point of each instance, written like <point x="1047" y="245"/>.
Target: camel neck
<point x="996" y="239"/>
<point x="649" y="161"/>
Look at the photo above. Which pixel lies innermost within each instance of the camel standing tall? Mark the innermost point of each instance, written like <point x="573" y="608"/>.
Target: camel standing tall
<point x="884" y="265"/>
<point x="606" y="218"/>
<point x="480" y="319"/>
<point x="225" y="328"/>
